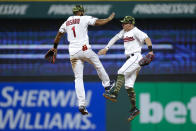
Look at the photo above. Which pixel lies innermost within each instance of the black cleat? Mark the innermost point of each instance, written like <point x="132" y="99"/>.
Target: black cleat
<point x="83" y="110"/>
<point x="133" y="113"/>
<point x="110" y="96"/>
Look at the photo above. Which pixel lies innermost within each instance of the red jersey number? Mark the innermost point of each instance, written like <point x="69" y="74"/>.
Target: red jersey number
<point x="74" y="31"/>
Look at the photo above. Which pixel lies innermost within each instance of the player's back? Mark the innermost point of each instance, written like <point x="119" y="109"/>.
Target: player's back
<point x="77" y="31"/>
<point x="76" y="27"/>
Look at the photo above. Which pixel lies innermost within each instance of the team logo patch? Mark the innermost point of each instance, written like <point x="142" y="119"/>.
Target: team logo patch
<point x="127" y="39"/>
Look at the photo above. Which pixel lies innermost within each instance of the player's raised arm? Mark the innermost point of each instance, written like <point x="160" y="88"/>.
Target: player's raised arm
<point x="110" y="43"/>
<point x="104" y="21"/>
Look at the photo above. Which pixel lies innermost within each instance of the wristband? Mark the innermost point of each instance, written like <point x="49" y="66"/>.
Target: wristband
<point x="150" y="48"/>
<point x="55" y="45"/>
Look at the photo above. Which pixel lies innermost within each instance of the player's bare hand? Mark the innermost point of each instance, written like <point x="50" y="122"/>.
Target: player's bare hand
<point x="111" y="16"/>
<point x="102" y="51"/>
<point x="151" y="52"/>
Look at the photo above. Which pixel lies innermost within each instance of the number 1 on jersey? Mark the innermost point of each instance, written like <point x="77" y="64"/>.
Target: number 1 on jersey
<point x="74" y="32"/>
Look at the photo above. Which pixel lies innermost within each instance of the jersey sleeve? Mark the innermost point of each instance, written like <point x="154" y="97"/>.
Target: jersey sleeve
<point x="140" y="35"/>
<point x="91" y="20"/>
<point x="62" y="29"/>
<point x="112" y="41"/>
<point x="120" y="34"/>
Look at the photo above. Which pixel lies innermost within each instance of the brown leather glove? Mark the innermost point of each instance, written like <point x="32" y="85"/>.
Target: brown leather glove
<point x="51" y="55"/>
<point x="146" y="60"/>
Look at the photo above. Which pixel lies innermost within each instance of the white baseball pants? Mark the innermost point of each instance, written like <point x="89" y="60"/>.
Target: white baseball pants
<point x="77" y="61"/>
<point x="130" y="69"/>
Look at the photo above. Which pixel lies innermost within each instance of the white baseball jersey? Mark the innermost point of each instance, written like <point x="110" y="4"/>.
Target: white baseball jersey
<point x="133" y="40"/>
<point x="77" y="32"/>
<point x="77" y="35"/>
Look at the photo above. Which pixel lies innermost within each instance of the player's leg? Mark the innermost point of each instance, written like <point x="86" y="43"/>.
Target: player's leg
<point x="129" y="84"/>
<point x="78" y="66"/>
<point x="112" y="94"/>
<point x="92" y="58"/>
<point x="129" y="66"/>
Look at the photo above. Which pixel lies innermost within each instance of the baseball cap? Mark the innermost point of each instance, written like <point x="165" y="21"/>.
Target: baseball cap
<point x="128" y="19"/>
<point x="78" y="8"/>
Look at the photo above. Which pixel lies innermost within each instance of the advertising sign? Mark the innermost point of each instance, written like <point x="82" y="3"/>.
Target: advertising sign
<point x="140" y="9"/>
<point x="50" y="106"/>
<point x="166" y="106"/>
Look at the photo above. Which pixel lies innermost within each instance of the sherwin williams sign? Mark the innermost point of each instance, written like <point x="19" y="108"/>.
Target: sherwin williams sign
<point x="50" y="106"/>
<point x="166" y="106"/>
<point x="152" y="9"/>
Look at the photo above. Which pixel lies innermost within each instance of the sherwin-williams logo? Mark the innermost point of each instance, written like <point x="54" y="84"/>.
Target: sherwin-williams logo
<point x="175" y="112"/>
<point x="36" y="109"/>
<point x="67" y="9"/>
<point x="13" y="9"/>
<point x="164" y="9"/>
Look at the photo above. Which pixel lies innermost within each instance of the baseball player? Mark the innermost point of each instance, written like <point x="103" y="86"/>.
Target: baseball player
<point x="133" y="41"/>
<point x="80" y="50"/>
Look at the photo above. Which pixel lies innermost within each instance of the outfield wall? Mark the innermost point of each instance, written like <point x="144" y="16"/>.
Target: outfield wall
<point x="53" y="106"/>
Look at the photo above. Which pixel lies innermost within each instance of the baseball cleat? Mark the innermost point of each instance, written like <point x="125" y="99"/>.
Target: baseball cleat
<point x="83" y="110"/>
<point x="112" y="84"/>
<point x="110" y="96"/>
<point x="133" y="113"/>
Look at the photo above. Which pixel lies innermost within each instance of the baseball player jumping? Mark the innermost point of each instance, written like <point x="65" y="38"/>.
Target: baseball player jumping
<point x="80" y="50"/>
<point x="133" y="42"/>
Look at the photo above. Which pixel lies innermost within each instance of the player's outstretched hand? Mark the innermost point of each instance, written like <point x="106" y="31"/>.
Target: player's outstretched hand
<point x="102" y="51"/>
<point x="151" y="53"/>
<point x="111" y="16"/>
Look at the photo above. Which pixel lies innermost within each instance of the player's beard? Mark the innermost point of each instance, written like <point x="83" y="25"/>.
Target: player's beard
<point x="82" y="13"/>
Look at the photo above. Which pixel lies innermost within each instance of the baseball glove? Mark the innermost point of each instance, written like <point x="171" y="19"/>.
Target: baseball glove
<point x="146" y="59"/>
<point x="51" y="55"/>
